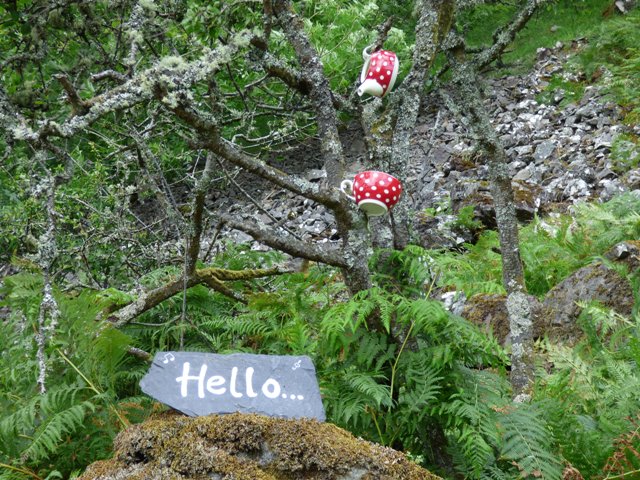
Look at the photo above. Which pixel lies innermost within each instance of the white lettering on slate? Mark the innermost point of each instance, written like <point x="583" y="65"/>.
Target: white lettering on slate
<point x="271" y="388"/>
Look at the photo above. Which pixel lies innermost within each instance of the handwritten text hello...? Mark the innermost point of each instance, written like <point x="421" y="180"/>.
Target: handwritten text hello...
<point x="217" y="384"/>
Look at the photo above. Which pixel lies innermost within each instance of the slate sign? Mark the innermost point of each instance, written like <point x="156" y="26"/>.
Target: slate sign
<point x="202" y="383"/>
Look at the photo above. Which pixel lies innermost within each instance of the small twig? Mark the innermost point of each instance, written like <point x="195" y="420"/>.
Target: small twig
<point x="255" y="203"/>
<point x="139" y="353"/>
<point x="80" y="107"/>
<point x="383" y="31"/>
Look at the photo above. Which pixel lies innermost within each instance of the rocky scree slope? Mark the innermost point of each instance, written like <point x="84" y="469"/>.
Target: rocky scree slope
<point x="559" y="154"/>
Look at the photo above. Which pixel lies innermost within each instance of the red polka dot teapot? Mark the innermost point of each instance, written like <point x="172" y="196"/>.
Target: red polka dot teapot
<point x="374" y="192"/>
<point x="379" y="72"/>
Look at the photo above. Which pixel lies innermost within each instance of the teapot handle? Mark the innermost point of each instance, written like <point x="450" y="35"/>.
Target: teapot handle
<point x="365" y="54"/>
<point x="367" y="58"/>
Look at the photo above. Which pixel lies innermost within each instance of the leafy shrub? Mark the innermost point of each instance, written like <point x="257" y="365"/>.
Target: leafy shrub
<point x="591" y="393"/>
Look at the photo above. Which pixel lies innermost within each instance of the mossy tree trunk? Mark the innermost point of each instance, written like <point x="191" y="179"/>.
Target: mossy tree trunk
<point x="465" y="97"/>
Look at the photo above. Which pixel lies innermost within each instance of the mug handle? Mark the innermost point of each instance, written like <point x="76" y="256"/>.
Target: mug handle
<point x="347" y="185"/>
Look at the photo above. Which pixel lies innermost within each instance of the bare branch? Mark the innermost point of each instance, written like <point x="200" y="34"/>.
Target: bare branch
<point x="211" y="277"/>
<point x="254" y="201"/>
<point x="133" y="29"/>
<point x="285" y="243"/>
<point x="211" y="139"/>
<point x="79" y="106"/>
<point x="383" y="31"/>
<point x="109" y="74"/>
<point x="169" y="75"/>
<point x="47" y="253"/>
<point x="193" y="242"/>
<point x="289" y="75"/>
<point x="434" y="22"/>
<point x="141" y="354"/>
<point x="505" y="36"/>
<point x="321" y="95"/>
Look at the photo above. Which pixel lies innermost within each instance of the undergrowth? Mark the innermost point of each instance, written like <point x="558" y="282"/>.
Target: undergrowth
<point x="551" y="248"/>
<point x="394" y="365"/>
<point x="614" y="49"/>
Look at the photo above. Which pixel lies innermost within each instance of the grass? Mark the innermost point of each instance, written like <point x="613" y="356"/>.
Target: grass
<point x="562" y="21"/>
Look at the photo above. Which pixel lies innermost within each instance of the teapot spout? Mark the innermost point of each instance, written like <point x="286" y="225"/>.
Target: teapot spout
<point x="371" y="87"/>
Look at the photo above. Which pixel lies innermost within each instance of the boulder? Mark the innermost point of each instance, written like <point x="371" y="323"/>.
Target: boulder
<point x="489" y="311"/>
<point x="477" y="194"/>
<point x="595" y="282"/>
<point x="627" y="253"/>
<point x="556" y="316"/>
<point x="248" y="447"/>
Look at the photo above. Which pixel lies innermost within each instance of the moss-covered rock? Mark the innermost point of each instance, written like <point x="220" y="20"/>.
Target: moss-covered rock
<point x="248" y="447"/>
<point x="596" y="282"/>
<point x="489" y="311"/>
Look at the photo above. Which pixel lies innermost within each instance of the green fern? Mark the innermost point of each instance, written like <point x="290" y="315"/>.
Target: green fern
<point x="527" y="443"/>
<point x="49" y="434"/>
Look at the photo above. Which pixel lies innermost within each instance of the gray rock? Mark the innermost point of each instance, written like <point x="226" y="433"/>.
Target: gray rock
<point x="632" y="179"/>
<point x="316" y="175"/>
<point x="454" y="301"/>
<point x="610" y="188"/>
<point x="489" y="312"/>
<point x="524" y="174"/>
<point x="524" y="150"/>
<point x="561" y="305"/>
<point x="576" y="188"/>
<point x="544" y="150"/>
<point x="603" y="141"/>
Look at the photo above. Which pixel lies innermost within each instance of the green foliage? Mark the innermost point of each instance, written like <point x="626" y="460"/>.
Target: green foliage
<point x="568" y="91"/>
<point x="625" y="153"/>
<point x="342" y="29"/>
<point x="466" y="219"/>
<point x="551" y="248"/>
<point x="397" y="384"/>
<point x="476" y="270"/>
<point x="592" y="391"/>
<point x="527" y="443"/>
<point x="394" y="365"/>
<point x="615" y="48"/>
<point x="571" y="19"/>
<point x="87" y="398"/>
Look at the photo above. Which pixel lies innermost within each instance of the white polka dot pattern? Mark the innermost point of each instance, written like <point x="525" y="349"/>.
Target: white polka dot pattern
<point x="376" y="187"/>
<point x="381" y="67"/>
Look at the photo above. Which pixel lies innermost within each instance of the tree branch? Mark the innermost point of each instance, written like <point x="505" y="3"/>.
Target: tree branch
<point x="211" y="277"/>
<point x="321" y="95"/>
<point x="504" y="36"/>
<point x="193" y="242"/>
<point x="79" y="106"/>
<point x="286" y="244"/>
<point x="169" y="75"/>
<point x="383" y="31"/>
<point x="211" y="140"/>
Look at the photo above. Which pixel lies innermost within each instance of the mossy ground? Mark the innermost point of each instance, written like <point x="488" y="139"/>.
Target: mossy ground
<point x="248" y="447"/>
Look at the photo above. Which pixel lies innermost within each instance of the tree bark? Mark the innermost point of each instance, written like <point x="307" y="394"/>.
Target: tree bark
<point x="465" y="96"/>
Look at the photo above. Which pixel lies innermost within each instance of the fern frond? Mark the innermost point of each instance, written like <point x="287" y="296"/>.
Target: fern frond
<point x="50" y="433"/>
<point x="372" y="386"/>
<point x="527" y="443"/>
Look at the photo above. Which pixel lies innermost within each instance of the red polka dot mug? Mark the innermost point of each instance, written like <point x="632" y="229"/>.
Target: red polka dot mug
<point x="374" y="192"/>
<point x="378" y="73"/>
